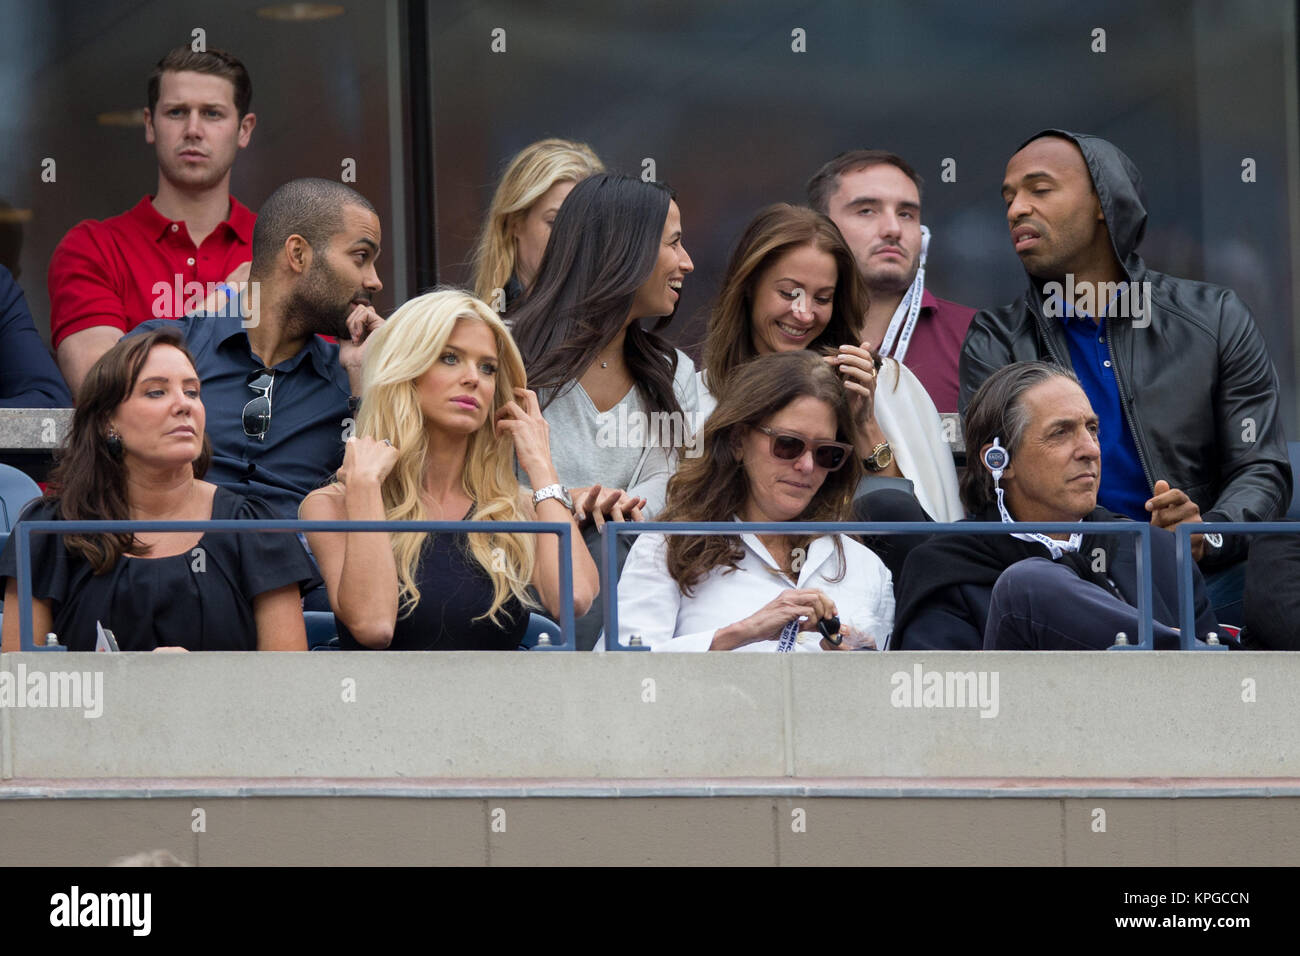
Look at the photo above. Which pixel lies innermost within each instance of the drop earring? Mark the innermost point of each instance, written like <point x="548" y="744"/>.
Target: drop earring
<point x="114" y="443"/>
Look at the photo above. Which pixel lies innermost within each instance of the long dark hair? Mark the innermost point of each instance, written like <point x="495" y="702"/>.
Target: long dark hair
<point x="88" y="483"/>
<point x="714" y="486"/>
<point x="771" y="234"/>
<point x="604" y="244"/>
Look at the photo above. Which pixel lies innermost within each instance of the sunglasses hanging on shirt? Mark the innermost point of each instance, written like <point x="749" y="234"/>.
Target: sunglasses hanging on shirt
<point x="257" y="413"/>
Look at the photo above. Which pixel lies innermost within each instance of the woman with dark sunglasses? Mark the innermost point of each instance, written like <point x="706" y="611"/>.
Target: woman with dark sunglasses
<point x="774" y="449"/>
<point x="137" y="450"/>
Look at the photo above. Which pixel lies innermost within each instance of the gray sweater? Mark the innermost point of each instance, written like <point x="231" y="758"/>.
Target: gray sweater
<point x="625" y="447"/>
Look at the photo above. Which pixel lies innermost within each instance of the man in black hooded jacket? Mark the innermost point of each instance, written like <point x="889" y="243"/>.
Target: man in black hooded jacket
<point x="1176" y="370"/>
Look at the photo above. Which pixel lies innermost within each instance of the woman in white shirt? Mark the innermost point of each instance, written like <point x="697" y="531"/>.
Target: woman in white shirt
<point x="774" y="449"/>
<point x="792" y="283"/>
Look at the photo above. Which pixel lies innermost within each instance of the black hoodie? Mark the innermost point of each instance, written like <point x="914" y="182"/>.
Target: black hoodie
<point x="1198" y="389"/>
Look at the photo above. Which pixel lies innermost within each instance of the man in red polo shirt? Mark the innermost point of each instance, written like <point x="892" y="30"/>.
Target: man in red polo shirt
<point x="875" y="199"/>
<point x="163" y="258"/>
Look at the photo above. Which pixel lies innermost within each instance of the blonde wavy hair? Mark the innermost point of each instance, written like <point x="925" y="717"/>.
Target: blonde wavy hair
<point x="533" y="171"/>
<point x="407" y="345"/>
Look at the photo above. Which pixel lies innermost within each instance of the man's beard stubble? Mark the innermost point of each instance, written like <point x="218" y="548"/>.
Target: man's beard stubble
<point x="314" y="308"/>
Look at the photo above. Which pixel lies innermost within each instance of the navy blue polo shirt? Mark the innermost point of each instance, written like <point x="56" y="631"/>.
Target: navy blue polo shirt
<point x="309" y="412"/>
<point x="1124" y="487"/>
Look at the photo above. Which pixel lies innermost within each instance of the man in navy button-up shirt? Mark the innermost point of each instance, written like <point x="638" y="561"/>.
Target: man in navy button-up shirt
<point x="279" y="399"/>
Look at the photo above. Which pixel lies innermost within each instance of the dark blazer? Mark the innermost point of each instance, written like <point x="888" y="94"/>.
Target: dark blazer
<point x="947" y="582"/>
<point x="28" y="376"/>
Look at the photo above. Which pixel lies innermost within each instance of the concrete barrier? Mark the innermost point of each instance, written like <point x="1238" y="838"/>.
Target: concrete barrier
<point x="585" y="716"/>
<point x="321" y="759"/>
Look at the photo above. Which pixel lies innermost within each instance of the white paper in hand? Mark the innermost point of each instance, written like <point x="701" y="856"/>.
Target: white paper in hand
<point x="104" y="640"/>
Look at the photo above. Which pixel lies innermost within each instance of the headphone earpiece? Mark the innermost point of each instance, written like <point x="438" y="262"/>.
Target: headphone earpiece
<point x="996" y="458"/>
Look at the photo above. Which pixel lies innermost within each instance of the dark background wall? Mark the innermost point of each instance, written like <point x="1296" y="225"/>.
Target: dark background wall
<point x="734" y="119"/>
<point x="714" y="94"/>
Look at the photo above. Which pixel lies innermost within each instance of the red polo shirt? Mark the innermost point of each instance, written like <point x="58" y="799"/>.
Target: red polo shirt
<point x="140" y="266"/>
<point x="935" y="348"/>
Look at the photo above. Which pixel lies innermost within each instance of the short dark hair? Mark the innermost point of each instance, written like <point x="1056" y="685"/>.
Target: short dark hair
<point x="997" y="410"/>
<point x="311" y="208"/>
<point x="827" y="179"/>
<point x="183" y="59"/>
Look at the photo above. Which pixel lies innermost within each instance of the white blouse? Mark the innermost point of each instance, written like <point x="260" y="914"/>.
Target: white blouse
<point x="651" y="605"/>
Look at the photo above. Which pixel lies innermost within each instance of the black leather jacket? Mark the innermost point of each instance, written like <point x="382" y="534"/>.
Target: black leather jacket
<point x="1198" y="389"/>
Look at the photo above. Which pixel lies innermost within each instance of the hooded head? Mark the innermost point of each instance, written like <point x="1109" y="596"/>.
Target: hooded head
<point x="1075" y="204"/>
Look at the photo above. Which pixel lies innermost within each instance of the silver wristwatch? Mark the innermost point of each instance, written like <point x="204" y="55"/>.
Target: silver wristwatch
<point x="557" y="492"/>
<point x="1215" y="541"/>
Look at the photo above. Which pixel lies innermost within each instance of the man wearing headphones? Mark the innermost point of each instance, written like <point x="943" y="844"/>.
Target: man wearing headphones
<point x="1033" y="453"/>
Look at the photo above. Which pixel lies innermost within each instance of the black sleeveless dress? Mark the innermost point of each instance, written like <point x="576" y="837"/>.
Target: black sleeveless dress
<point x="454" y="590"/>
<point x="201" y="600"/>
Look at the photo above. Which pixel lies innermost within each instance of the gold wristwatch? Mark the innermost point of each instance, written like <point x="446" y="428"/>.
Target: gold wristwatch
<point x="881" y="457"/>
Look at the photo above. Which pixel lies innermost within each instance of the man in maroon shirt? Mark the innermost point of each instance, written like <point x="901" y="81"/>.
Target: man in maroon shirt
<point x="875" y="199"/>
<point x="167" y="255"/>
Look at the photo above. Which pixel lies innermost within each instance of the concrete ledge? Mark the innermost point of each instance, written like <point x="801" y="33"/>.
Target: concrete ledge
<point x="723" y="831"/>
<point x="868" y="788"/>
<point x="620" y="716"/>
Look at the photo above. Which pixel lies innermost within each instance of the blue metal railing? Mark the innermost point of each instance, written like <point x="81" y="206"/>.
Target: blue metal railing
<point x="609" y="563"/>
<point x="1184" y="532"/>
<point x="609" y="553"/>
<point x="25" y="529"/>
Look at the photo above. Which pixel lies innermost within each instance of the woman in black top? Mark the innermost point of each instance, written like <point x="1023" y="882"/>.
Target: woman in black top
<point x="137" y="450"/>
<point x="443" y="415"/>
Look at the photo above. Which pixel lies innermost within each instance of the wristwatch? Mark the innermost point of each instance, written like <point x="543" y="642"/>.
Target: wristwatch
<point x="881" y="457"/>
<point x="557" y="492"/>
<point x="1213" y="542"/>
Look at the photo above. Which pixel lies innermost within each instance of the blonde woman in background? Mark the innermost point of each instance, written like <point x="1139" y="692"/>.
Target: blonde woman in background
<point x="443" y="415"/>
<point x="518" y="223"/>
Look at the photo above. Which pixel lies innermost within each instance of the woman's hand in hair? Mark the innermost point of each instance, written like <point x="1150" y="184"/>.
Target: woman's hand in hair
<point x="522" y="420"/>
<point x="598" y="504"/>
<point x="857" y="367"/>
<point x="366" y="460"/>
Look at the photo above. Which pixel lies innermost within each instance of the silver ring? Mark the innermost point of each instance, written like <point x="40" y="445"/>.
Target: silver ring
<point x="388" y="443"/>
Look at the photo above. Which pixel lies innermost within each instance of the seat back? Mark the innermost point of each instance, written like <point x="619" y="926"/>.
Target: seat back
<point x="539" y="624"/>
<point x="1293" y="452"/>
<point x="321" y="633"/>
<point x="16" y="489"/>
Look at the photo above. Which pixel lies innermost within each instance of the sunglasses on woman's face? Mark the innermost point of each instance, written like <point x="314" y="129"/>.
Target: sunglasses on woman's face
<point x="257" y="413"/>
<point x="788" y="446"/>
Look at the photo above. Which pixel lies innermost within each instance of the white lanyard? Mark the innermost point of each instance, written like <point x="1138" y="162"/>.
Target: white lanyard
<point x="903" y="324"/>
<point x="788" y="633"/>
<point x="1057" y="548"/>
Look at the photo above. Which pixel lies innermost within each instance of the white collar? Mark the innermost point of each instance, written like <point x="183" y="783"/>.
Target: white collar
<point x="819" y="550"/>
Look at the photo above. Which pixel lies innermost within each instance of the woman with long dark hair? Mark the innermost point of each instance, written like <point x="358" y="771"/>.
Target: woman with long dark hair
<point x="619" y="398"/>
<point x="775" y="449"/>
<point x="137" y="450"/>
<point x="791" y="284"/>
